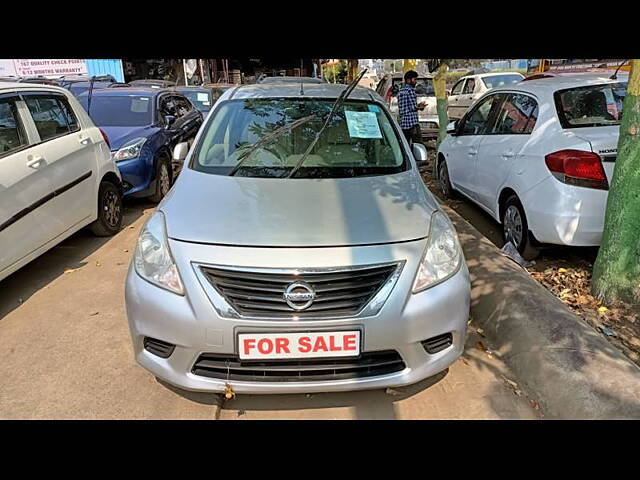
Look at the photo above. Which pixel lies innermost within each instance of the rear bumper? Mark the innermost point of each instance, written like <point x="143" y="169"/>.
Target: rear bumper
<point x="565" y="215"/>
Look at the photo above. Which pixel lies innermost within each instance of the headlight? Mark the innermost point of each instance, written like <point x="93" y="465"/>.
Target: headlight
<point x="129" y="150"/>
<point x="443" y="255"/>
<point x="153" y="260"/>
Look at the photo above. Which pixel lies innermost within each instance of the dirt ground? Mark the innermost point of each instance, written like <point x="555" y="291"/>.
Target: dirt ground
<point x="565" y="271"/>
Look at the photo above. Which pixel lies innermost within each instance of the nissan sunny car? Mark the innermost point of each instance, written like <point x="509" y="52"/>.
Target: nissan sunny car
<point x="298" y="251"/>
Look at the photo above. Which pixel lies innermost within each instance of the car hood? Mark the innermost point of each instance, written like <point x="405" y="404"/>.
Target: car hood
<point x="118" y="136"/>
<point x="245" y="211"/>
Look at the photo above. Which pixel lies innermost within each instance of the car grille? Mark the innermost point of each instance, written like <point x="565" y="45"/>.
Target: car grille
<point x="369" y="364"/>
<point x="338" y="292"/>
<point x="437" y="344"/>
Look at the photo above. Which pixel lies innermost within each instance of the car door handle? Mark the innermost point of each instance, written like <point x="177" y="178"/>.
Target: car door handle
<point x="85" y="141"/>
<point x="34" y="162"/>
<point x="473" y="152"/>
<point x="508" y="154"/>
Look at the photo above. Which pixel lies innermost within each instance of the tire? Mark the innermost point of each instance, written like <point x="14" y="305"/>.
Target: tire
<point x="515" y="228"/>
<point x="443" y="180"/>
<point x="164" y="179"/>
<point x="110" y="210"/>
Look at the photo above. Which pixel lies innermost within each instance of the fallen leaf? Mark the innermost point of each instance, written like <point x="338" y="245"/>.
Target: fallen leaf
<point x="562" y="270"/>
<point x="70" y="270"/>
<point x="98" y="264"/>
<point x="480" y="346"/>
<point x="93" y="314"/>
<point x="603" y="309"/>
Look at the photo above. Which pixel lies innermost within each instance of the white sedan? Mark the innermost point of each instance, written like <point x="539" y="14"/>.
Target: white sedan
<point x="471" y="87"/>
<point x="538" y="156"/>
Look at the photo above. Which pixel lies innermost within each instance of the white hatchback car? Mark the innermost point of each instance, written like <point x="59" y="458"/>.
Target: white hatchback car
<point x="471" y="87"/>
<point x="538" y="156"/>
<point x="56" y="173"/>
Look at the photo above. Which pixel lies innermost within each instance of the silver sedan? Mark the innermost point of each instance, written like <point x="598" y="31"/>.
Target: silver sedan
<point x="298" y="251"/>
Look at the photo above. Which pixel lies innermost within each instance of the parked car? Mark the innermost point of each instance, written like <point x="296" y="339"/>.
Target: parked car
<point x="345" y="276"/>
<point x="200" y="97"/>
<point x="143" y="126"/>
<point x="471" y="87"/>
<point x="152" y="83"/>
<point x="388" y="88"/>
<point x="538" y="156"/>
<point x="56" y="173"/>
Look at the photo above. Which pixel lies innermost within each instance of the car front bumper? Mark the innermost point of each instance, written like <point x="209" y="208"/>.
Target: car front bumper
<point x="195" y="326"/>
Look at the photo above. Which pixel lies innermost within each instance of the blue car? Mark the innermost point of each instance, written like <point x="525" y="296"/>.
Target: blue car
<point x="143" y="126"/>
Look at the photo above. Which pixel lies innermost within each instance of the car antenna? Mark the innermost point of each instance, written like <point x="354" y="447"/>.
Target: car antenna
<point x="615" y="75"/>
<point x="301" y="82"/>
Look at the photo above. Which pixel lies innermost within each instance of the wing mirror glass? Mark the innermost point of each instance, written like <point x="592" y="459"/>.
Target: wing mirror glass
<point x="419" y="152"/>
<point x="452" y="127"/>
<point x="180" y="151"/>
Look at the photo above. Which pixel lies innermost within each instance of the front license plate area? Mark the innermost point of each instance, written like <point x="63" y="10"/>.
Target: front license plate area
<point x="279" y="346"/>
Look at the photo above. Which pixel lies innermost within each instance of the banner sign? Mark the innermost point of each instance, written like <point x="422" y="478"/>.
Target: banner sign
<point x="50" y="67"/>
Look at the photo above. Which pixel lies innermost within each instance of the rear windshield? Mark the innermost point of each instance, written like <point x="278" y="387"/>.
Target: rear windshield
<point x="201" y="100"/>
<point x="424" y="87"/>
<point x="591" y="106"/>
<point x="500" y="80"/>
<point x="125" y="111"/>
<point x="358" y="141"/>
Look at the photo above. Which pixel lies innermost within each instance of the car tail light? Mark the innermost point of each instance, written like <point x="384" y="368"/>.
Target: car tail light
<point x="577" y="167"/>
<point x="106" y="139"/>
<point x="388" y="95"/>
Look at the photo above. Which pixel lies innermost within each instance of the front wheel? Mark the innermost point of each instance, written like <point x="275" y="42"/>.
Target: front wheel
<point x="443" y="179"/>
<point x="516" y="229"/>
<point x="110" y="210"/>
<point x="164" y="179"/>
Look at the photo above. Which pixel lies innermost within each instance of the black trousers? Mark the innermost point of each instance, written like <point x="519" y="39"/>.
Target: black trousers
<point x="413" y="134"/>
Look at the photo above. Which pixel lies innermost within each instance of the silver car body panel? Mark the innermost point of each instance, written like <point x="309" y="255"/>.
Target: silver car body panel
<point x="304" y="225"/>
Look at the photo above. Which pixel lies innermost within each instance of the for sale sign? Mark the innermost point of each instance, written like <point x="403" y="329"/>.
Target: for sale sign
<point x="49" y="67"/>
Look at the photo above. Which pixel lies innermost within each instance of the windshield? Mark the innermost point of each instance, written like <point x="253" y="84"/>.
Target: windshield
<point x="125" y="111"/>
<point x="424" y="87"/>
<point x="358" y="141"/>
<point x="591" y="106"/>
<point x="500" y="80"/>
<point x="200" y="99"/>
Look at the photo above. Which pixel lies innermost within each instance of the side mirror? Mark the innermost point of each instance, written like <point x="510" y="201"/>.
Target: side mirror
<point x="419" y="152"/>
<point x="169" y="120"/>
<point x="452" y="127"/>
<point x="180" y="151"/>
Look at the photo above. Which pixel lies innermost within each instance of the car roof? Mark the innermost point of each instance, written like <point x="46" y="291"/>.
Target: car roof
<point x="401" y="75"/>
<point x="290" y="79"/>
<point x="560" y="82"/>
<point x="126" y="91"/>
<point x="494" y="74"/>
<point x="318" y="90"/>
<point x="190" y="87"/>
<point x="31" y="86"/>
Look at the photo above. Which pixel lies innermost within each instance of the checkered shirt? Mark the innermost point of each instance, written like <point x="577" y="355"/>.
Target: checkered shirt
<point x="408" y="106"/>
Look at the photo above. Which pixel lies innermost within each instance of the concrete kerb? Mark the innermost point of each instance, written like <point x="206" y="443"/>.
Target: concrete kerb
<point x="562" y="362"/>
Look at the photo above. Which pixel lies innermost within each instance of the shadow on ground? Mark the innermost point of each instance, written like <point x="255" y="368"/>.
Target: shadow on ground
<point x="69" y="254"/>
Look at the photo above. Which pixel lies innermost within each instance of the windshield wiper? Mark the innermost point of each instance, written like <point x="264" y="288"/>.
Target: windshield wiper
<point x="268" y="139"/>
<point x="337" y="104"/>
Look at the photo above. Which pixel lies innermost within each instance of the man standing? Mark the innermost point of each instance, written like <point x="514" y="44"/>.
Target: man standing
<point x="408" y="108"/>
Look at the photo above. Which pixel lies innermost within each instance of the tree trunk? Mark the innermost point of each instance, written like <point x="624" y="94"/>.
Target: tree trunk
<point x="440" y="86"/>
<point x="616" y="273"/>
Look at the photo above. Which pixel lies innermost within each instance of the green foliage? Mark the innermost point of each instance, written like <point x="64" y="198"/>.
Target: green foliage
<point x="336" y="73"/>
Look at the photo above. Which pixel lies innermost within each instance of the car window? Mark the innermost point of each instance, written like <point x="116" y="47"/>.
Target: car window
<point x="478" y="120"/>
<point x="424" y="86"/>
<point x="591" y="106"/>
<point x="470" y="86"/>
<point x="360" y="139"/>
<point x="52" y="115"/>
<point x="201" y="100"/>
<point x="518" y="114"/>
<point x="457" y="88"/>
<point x="183" y="106"/>
<point x="12" y="135"/>
<point x="499" y="80"/>
<point x="119" y="111"/>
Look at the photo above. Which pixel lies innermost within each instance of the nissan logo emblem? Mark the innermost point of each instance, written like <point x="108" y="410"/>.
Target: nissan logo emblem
<point x="299" y="295"/>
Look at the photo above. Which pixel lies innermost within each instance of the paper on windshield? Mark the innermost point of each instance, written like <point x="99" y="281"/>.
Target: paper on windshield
<point x="362" y="124"/>
<point x="203" y="97"/>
